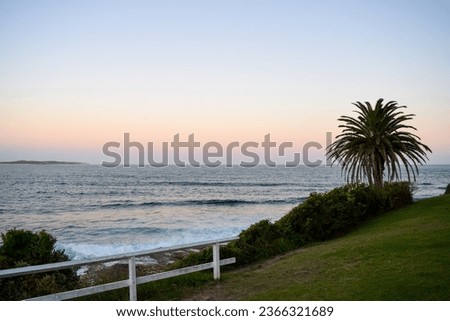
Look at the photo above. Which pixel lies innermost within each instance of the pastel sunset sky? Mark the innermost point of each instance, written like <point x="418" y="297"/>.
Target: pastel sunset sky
<point x="77" y="74"/>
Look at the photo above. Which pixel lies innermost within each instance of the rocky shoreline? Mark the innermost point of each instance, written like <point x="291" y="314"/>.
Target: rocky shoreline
<point x="112" y="271"/>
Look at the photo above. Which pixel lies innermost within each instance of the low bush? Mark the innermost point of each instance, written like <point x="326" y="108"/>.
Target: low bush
<point x="323" y="216"/>
<point x="22" y="248"/>
<point x="397" y="195"/>
<point x="261" y="240"/>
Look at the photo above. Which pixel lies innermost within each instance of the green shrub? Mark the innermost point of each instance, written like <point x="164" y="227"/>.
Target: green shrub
<point x="203" y="256"/>
<point x="24" y="248"/>
<point x="323" y="216"/>
<point x="261" y="240"/>
<point x="397" y="195"/>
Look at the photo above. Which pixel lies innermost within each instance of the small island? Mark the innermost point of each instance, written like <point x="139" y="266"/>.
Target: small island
<point x="31" y="162"/>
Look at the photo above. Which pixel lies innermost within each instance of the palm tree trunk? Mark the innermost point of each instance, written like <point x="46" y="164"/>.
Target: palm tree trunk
<point x="377" y="168"/>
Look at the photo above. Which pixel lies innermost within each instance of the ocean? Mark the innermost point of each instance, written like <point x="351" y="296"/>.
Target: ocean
<point x="96" y="211"/>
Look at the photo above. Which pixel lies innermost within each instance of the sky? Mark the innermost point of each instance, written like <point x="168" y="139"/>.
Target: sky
<point x="75" y="75"/>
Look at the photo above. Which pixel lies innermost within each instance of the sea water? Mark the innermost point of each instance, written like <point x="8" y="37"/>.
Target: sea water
<point x="95" y="211"/>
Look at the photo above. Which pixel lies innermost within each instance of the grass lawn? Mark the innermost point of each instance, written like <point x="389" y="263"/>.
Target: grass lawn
<point x="401" y="255"/>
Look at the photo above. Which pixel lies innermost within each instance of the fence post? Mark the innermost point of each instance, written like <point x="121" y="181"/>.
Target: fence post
<point x="132" y="278"/>
<point x="216" y="261"/>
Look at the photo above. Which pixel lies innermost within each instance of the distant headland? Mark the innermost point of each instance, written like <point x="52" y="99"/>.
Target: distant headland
<point x="32" y="162"/>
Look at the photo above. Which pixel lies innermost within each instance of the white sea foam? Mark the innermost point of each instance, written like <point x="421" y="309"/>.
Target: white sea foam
<point x="82" y="251"/>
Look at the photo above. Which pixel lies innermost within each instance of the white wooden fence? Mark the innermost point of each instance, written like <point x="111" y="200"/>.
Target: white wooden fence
<point x="132" y="280"/>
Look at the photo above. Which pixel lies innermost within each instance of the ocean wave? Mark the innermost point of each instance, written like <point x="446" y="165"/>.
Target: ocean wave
<point x="223" y="202"/>
<point x="136" y="230"/>
<point x="157" y="240"/>
<point x="215" y="183"/>
<point x="83" y="251"/>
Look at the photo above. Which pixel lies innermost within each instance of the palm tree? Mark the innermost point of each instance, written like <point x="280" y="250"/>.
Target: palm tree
<point x="377" y="140"/>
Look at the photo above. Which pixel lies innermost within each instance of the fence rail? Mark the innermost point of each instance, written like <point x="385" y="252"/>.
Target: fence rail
<point x="132" y="280"/>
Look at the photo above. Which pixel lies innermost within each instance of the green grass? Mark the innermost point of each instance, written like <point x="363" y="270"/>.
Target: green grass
<point x="401" y="255"/>
<point x="162" y="290"/>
